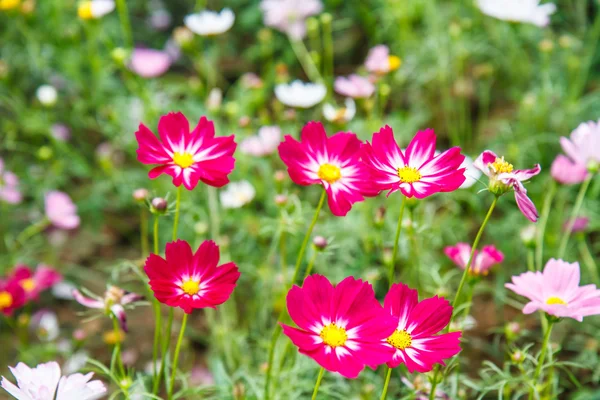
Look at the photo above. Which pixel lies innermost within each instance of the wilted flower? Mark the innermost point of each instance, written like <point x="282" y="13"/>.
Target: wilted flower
<point x="289" y="16"/>
<point x="300" y="94"/>
<point x="580" y="224"/>
<point x="209" y="23"/>
<point x="264" y="143"/>
<point x="34" y="283"/>
<point x="237" y="194"/>
<point x="113" y="303"/>
<point x="556" y="291"/>
<point x="503" y="179"/>
<point x="528" y="11"/>
<point x="583" y="147"/>
<point x="44" y="382"/>
<point x="94" y="9"/>
<point x="379" y="60"/>
<point x="482" y="262"/>
<point x="567" y="172"/>
<point x="61" y="211"/>
<point x="149" y="63"/>
<point x="342" y="114"/>
<point x="12" y="296"/>
<point x="47" y="95"/>
<point x="9" y="186"/>
<point x="354" y="86"/>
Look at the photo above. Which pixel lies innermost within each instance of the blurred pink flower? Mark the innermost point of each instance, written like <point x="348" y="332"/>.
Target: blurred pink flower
<point x="289" y="16"/>
<point x="556" y="291"/>
<point x="580" y="224"/>
<point x="583" y="147"/>
<point x="264" y="143"/>
<point x="60" y="132"/>
<point x="9" y="186"/>
<point x="482" y="262"/>
<point x="379" y="60"/>
<point x="567" y="172"/>
<point x="61" y="211"/>
<point x="35" y="282"/>
<point x="354" y="86"/>
<point x="149" y="63"/>
<point x="251" y="81"/>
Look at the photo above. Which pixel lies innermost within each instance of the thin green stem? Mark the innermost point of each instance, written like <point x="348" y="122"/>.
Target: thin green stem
<point x="176" y="357"/>
<point x="311" y="263"/>
<point x="117" y="354"/>
<point x="530" y="260"/>
<point x="166" y="339"/>
<point x="282" y="258"/>
<point x="144" y="231"/>
<point x="318" y="383"/>
<point x="541" y="228"/>
<point x="414" y="248"/>
<point x="177" y="207"/>
<point x="30" y="231"/>
<point x="588" y="259"/>
<point x="386" y="384"/>
<point x="326" y="20"/>
<point x="125" y="24"/>
<point x="540" y="363"/>
<point x="574" y="213"/>
<point x="157" y="320"/>
<point x="396" y="239"/>
<point x="308" y="64"/>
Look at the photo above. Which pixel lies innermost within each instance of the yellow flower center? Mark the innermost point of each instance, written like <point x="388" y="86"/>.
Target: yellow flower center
<point x="191" y="287"/>
<point x="9" y="4"/>
<point x="333" y="335"/>
<point x="400" y="339"/>
<point x="500" y="166"/>
<point x="27" y="284"/>
<point x="6" y="300"/>
<point x="84" y="11"/>
<point x="329" y="173"/>
<point x="112" y="337"/>
<point x="555" y="300"/>
<point x="394" y="62"/>
<point x="409" y="174"/>
<point x="184" y="160"/>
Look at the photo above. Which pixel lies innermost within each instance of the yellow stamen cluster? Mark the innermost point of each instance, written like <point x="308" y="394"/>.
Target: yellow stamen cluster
<point x="394" y="62"/>
<point x="400" y="339"/>
<point x="334" y="335"/>
<point x="500" y="166"/>
<point x="329" y="173"/>
<point x="28" y="285"/>
<point x="409" y="174"/>
<point x="555" y="300"/>
<point x="191" y="287"/>
<point x="184" y="160"/>
<point x="6" y="300"/>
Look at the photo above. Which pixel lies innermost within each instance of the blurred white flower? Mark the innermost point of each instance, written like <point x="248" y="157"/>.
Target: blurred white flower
<point x="264" y="143"/>
<point x="76" y="362"/>
<point x="289" y="16"/>
<point x="214" y="100"/>
<point x="300" y="94"/>
<point x="95" y="9"/>
<point x="47" y="95"/>
<point x="528" y="11"/>
<point x="63" y="290"/>
<point x="340" y="115"/>
<point x="44" y="324"/>
<point x="471" y="173"/>
<point x="208" y="23"/>
<point x="236" y="194"/>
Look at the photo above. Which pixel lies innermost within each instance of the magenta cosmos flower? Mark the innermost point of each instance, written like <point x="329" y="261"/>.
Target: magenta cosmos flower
<point x="354" y="86"/>
<point x="583" y="147"/>
<point x="187" y="156"/>
<point x="12" y="296"/>
<point x="9" y="186"/>
<point x="415" y="341"/>
<point x="35" y="282"/>
<point x="191" y="280"/>
<point x="114" y="302"/>
<point x="556" y="291"/>
<point x="482" y="262"/>
<point x="567" y="172"/>
<point x="61" y="211"/>
<point x="415" y="172"/>
<point x="503" y="178"/>
<point x="333" y="162"/>
<point x="342" y="328"/>
<point x="149" y="63"/>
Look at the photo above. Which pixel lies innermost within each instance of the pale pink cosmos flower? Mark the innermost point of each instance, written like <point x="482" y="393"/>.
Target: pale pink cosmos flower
<point x="417" y="171"/>
<point x="556" y="291"/>
<point x="355" y="86"/>
<point x="503" y="178"/>
<point x="482" y="262"/>
<point x="9" y="186"/>
<point x="567" y="172"/>
<point x="264" y="143"/>
<point x="44" y="382"/>
<point x="114" y="302"/>
<point x="149" y="63"/>
<point x="61" y="211"/>
<point x="289" y="16"/>
<point x="583" y="147"/>
<point x="379" y="61"/>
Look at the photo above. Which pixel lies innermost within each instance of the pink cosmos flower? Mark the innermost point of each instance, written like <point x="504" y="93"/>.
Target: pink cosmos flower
<point x="503" y="178"/>
<point x="415" y="341"/>
<point x="187" y="157"/>
<point x="583" y="147"/>
<point x="264" y="143"/>
<point x="379" y="60"/>
<point x="289" y="16"/>
<point x="566" y="172"/>
<point x="354" y="86"/>
<point x="342" y="328"/>
<point x="44" y="382"/>
<point x="415" y="172"/>
<point x="61" y="211"/>
<point x="333" y="162"/>
<point x="556" y="291"/>
<point x="12" y="296"/>
<point x="191" y="280"/>
<point x="9" y="186"/>
<point x="114" y="302"/>
<point x="149" y="63"/>
<point x="33" y="283"/>
<point x="579" y="225"/>
<point x="482" y="262"/>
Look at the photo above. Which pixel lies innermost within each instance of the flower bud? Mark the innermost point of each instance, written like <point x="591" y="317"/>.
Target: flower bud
<point x="140" y="195"/>
<point x="517" y="356"/>
<point x="244" y="121"/>
<point x="320" y="242"/>
<point x="512" y="330"/>
<point x="546" y="46"/>
<point x="119" y="55"/>
<point x="281" y="199"/>
<point x="79" y="335"/>
<point x="279" y="176"/>
<point x="159" y="205"/>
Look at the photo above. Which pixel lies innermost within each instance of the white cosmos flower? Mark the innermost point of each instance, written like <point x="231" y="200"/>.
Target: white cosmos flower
<point x="528" y="11"/>
<point x="340" y="114"/>
<point x="236" y="194"/>
<point x="471" y="173"/>
<point x="47" y="95"/>
<point x="95" y="9"/>
<point x="208" y="23"/>
<point x="300" y="94"/>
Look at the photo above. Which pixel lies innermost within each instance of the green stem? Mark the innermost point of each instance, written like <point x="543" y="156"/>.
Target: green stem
<point x="588" y="259"/>
<point x="540" y="363"/>
<point x="176" y="357"/>
<point x="31" y="231"/>
<point x="541" y="229"/>
<point x="574" y="213"/>
<point x="157" y="320"/>
<point x="144" y="231"/>
<point x="166" y="339"/>
<point x="311" y="263"/>
<point x="213" y="206"/>
<point x="414" y="249"/>
<point x="386" y="384"/>
<point x="396" y="239"/>
<point x="125" y="24"/>
<point x="177" y="206"/>
<point x="308" y="64"/>
<point x="117" y="354"/>
<point x="530" y="260"/>
<point x="318" y="383"/>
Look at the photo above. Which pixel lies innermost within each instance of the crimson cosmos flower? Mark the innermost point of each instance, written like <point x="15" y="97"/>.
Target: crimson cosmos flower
<point x="33" y="283"/>
<point x="12" y="296"/>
